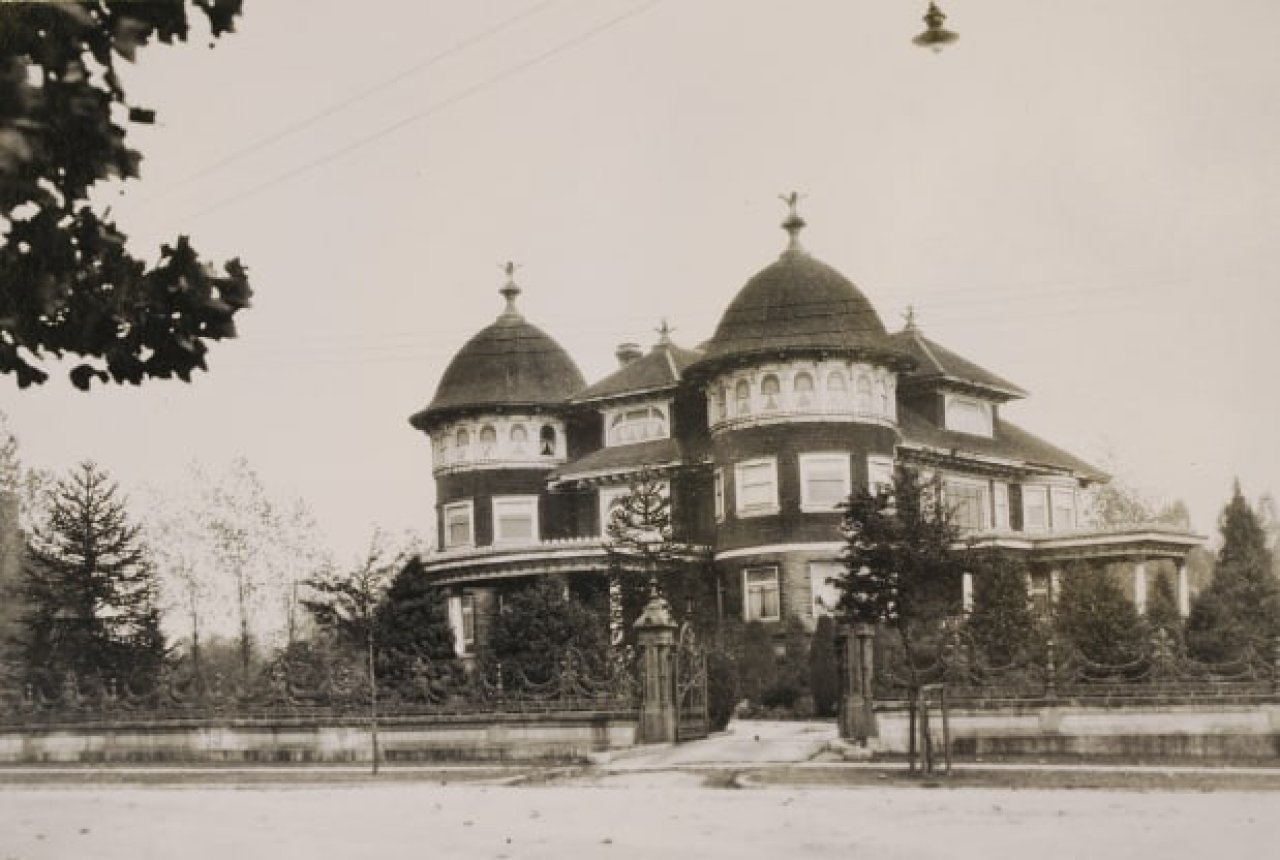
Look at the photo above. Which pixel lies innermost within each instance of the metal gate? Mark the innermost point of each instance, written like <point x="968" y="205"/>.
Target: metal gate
<point x="691" y="686"/>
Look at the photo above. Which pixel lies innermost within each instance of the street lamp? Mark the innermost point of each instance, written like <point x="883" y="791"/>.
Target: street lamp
<point x="935" y="36"/>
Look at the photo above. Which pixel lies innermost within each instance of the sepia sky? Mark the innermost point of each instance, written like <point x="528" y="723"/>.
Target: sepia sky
<point x="1081" y="195"/>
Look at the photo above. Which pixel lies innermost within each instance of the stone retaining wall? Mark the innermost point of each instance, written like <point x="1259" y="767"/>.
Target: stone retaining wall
<point x="1129" y="732"/>
<point x="520" y="737"/>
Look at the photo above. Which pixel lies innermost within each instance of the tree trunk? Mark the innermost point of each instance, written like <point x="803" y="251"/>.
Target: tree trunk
<point x="373" y="702"/>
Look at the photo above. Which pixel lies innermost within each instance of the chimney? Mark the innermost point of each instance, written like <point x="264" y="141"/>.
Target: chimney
<point x="627" y="353"/>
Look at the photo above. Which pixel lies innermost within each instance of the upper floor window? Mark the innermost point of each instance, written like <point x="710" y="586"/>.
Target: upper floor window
<point x="864" y="394"/>
<point x="824" y="481"/>
<point x="770" y="390"/>
<point x="823" y="588"/>
<point x="547" y="441"/>
<point x="1064" y="509"/>
<point x="879" y="474"/>
<point x="637" y="424"/>
<point x="761" y="595"/>
<point x="1035" y="509"/>
<point x="613" y="498"/>
<point x="756" y="487"/>
<point x="803" y="386"/>
<point x="967" y="502"/>
<point x="488" y="441"/>
<point x="1001" y="506"/>
<point x="967" y="415"/>
<point x="457" y="525"/>
<point x="515" y="519"/>
<point x="742" y="398"/>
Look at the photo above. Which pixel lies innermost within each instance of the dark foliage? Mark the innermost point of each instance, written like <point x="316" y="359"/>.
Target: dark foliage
<point x="824" y="684"/>
<point x="1095" y="616"/>
<point x="89" y="590"/>
<point x="758" y="666"/>
<point x="539" y="624"/>
<point x="413" y="624"/>
<point x="1002" y="624"/>
<point x="1240" y="610"/>
<point x="68" y="284"/>
<point x="722" y="688"/>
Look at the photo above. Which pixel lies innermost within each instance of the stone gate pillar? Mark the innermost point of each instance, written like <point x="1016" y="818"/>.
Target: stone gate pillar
<point x="655" y="633"/>
<point x="856" y="660"/>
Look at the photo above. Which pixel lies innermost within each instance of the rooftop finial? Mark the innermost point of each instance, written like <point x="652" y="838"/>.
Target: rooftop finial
<point x="910" y="317"/>
<point x="664" y="333"/>
<point x="509" y="290"/>
<point x="794" y="223"/>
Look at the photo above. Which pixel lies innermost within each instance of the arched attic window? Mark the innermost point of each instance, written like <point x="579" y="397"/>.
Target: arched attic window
<point x="547" y="441"/>
<point x="769" y="389"/>
<point x="837" y="388"/>
<point x="803" y="385"/>
<point x="488" y="441"/>
<point x="864" y="393"/>
<point x="462" y="442"/>
<point x="519" y="438"/>
<point x="882" y="395"/>
<point x="742" y="398"/>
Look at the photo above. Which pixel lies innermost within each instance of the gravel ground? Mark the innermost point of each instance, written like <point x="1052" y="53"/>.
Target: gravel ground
<point x="636" y="815"/>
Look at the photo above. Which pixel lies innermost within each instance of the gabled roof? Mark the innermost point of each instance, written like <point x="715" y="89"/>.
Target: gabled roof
<point x="936" y="363"/>
<point x="659" y="370"/>
<point x="621" y="459"/>
<point x="1010" y="443"/>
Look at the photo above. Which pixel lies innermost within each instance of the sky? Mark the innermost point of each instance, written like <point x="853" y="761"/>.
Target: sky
<point x="1083" y="197"/>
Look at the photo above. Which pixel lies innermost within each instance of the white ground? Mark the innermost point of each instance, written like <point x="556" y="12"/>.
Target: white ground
<point x="642" y="815"/>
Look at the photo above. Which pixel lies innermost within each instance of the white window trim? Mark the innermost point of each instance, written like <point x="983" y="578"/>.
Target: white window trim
<point x="746" y="593"/>
<point x="610" y="414"/>
<point x="760" y="510"/>
<point x="812" y="460"/>
<point x="878" y="460"/>
<point x="1055" y="493"/>
<point x="953" y="400"/>
<point x="498" y="502"/>
<point x="983" y="488"/>
<point x="718" y="493"/>
<point x="445" y="510"/>
<point x="1027" y="490"/>
<point x="819" y="588"/>
<point x="1000" y="504"/>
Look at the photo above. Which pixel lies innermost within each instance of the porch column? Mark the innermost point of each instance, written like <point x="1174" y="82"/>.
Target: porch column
<point x="1184" y="590"/>
<point x="855" y="658"/>
<point x="966" y="593"/>
<point x="1140" y="586"/>
<point x="1055" y="585"/>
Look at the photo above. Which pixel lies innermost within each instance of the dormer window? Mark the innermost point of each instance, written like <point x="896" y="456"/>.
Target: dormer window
<point x="969" y="415"/>
<point x="637" y="424"/>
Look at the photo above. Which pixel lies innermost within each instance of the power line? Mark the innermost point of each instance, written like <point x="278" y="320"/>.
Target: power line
<point x="336" y="107"/>
<point x="430" y="110"/>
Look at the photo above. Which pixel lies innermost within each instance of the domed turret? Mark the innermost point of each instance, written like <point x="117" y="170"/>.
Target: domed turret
<point x="798" y="305"/>
<point x="509" y="365"/>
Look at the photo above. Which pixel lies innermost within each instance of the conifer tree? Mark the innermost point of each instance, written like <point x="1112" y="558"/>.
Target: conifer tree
<point x="413" y="623"/>
<point x="902" y="568"/>
<point x="1002" y="623"/>
<point x="89" y="590"/>
<point x="1240" y="610"/>
<point x="1095" y="615"/>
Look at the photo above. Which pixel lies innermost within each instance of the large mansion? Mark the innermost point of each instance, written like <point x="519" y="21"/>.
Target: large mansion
<point x="799" y="396"/>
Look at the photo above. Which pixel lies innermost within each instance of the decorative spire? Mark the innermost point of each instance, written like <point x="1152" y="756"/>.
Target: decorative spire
<point x="509" y="291"/>
<point x="910" y="317"/>
<point x="794" y="223"/>
<point x="936" y="36"/>
<point x="664" y="333"/>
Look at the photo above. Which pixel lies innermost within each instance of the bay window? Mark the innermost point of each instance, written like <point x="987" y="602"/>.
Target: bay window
<point x="515" y="519"/>
<point x="756" y="487"/>
<point x="457" y="525"/>
<point x="761" y="595"/>
<point x="824" y="481"/>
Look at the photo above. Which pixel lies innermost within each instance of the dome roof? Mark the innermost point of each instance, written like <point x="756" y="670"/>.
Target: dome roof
<point x="509" y="364"/>
<point x="798" y="304"/>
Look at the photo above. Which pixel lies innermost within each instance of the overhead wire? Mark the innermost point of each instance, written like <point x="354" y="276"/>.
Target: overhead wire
<point x="432" y="109"/>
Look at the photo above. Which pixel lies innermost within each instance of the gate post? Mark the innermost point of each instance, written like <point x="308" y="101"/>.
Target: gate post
<point x="856" y="660"/>
<point x="655" y="633"/>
